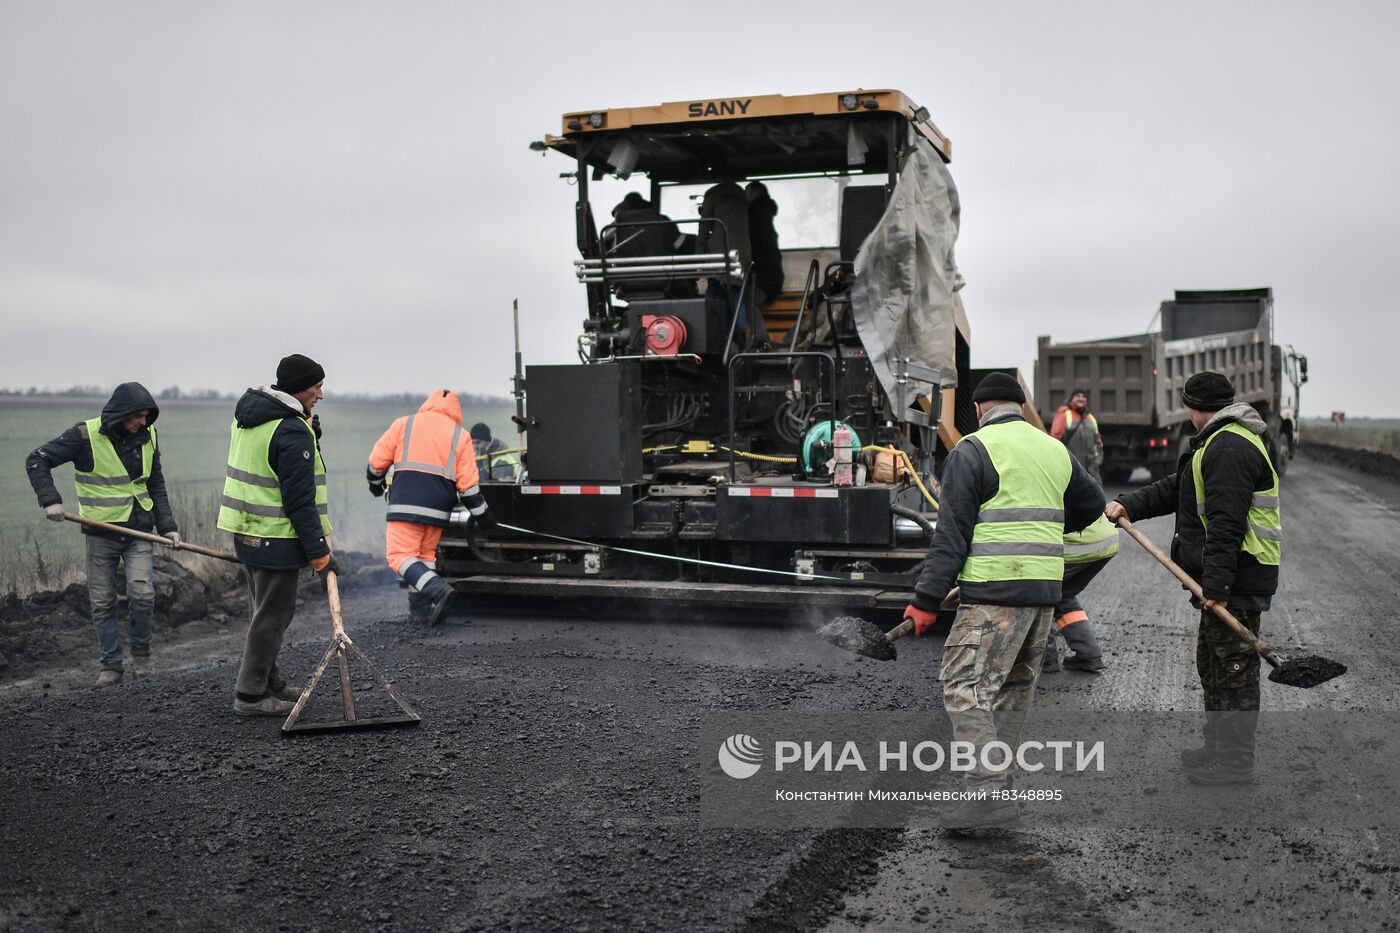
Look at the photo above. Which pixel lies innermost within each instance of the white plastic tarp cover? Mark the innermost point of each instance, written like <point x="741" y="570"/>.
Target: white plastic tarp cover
<point x="905" y="275"/>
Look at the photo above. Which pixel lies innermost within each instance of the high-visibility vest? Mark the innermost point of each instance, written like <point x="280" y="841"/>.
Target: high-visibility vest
<point x="106" y="493"/>
<point x="494" y="459"/>
<point x="447" y="471"/>
<point x="1264" y="536"/>
<point x="252" y="499"/>
<point x="1097" y="542"/>
<point x="1019" y="533"/>
<point x="1089" y="419"/>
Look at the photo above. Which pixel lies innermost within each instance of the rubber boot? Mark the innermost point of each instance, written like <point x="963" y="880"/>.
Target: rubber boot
<point x="1050" y="662"/>
<point x="1233" y="762"/>
<point x="420" y="607"/>
<point x="441" y="595"/>
<point x="1079" y="636"/>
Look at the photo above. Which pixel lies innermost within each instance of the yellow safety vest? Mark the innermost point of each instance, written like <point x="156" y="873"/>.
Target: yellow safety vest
<point x="252" y="499"/>
<point x="107" y="492"/>
<point x="1097" y="542"/>
<point x="1264" y="536"/>
<point x="1019" y="533"/>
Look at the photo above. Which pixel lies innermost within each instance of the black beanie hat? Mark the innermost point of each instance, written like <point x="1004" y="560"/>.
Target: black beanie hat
<point x="1207" y="392"/>
<point x="999" y="387"/>
<point x="297" y="373"/>
<point x="480" y="432"/>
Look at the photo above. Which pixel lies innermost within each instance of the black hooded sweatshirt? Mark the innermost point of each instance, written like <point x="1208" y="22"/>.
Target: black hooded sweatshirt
<point x="292" y="458"/>
<point x="72" y="447"/>
<point x="767" y="257"/>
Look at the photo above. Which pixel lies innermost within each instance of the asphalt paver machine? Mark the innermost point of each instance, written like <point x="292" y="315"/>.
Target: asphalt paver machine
<point x="690" y="459"/>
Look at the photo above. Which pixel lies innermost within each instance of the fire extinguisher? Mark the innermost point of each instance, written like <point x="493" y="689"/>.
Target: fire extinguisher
<point x="841" y="474"/>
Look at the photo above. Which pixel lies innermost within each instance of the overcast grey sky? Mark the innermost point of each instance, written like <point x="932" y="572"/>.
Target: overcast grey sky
<point x="189" y="191"/>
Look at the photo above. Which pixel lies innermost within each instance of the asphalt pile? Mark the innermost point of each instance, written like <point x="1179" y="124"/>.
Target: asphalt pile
<point x="44" y="628"/>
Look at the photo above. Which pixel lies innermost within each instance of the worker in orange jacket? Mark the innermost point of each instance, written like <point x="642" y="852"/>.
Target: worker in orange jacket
<point x="433" y="468"/>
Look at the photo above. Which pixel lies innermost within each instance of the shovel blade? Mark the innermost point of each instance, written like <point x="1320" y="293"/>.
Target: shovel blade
<point x="858" y="635"/>
<point x="1307" y="671"/>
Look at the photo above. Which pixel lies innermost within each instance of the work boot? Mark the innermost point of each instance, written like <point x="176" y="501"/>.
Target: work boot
<point x="1078" y="662"/>
<point x="285" y="692"/>
<point x="1088" y="656"/>
<point x="267" y="706"/>
<point x="1217" y="773"/>
<point x="420" y="607"/>
<point x="110" y="677"/>
<point x="140" y="666"/>
<point x="442" y="595"/>
<point x="983" y="814"/>
<point x="1050" y="662"/>
<point x="1198" y="757"/>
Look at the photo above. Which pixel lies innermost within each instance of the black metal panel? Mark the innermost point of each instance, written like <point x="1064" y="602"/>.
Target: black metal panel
<point x="586" y="423"/>
<point x="584" y="516"/>
<point x="706" y="321"/>
<point x="857" y="515"/>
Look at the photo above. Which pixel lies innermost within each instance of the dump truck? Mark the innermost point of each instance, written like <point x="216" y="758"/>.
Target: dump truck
<point x="679" y="460"/>
<point x="1134" y="383"/>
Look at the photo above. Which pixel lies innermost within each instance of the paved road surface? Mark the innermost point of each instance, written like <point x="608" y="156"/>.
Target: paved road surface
<point x="555" y="781"/>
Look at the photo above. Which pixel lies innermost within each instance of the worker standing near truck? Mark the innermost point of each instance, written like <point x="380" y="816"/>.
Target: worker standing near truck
<point x="433" y="467"/>
<point x="1229" y="537"/>
<point x="116" y="468"/>
<point x="275" y="504"/>
<point x="1077" y="428"/>
<point x="1086" y="553"/>
<point x="1009" y="493"/>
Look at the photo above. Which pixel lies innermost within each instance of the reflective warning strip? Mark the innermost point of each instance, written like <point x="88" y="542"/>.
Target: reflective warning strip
<point x="782" y="492"/>
<point x="571" y="490"/>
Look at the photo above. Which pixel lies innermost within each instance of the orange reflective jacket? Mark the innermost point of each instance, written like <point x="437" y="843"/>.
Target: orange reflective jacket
<point x="432" y="460"/>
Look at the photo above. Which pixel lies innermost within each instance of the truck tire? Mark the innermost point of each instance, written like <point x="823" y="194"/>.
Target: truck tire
<point x="1280" y="451"/>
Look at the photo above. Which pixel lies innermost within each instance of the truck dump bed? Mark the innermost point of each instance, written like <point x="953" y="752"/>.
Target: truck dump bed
<point x="1137" y="380"/>
<point x="1228" y="332"/>
<point x="1116" y="373"/>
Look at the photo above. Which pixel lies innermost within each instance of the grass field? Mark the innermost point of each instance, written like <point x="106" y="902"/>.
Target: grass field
<point x="1366" y="437"/>
<point x="35" y="553"/>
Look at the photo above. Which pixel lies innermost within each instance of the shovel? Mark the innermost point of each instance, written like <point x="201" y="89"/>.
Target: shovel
<point x="155" y="539"/>
<point x="340" y="643"/>
<point x="865" y="638"/>
<point x="1306" y="671"/>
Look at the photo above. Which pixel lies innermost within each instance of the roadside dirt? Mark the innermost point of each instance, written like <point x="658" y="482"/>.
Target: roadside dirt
<point x="196" y="597"/>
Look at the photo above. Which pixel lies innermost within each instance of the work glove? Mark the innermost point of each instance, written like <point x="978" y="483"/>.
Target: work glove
<point x="54" y="513"/>
<point x="485" y="521"/>
<point x="323" y="565"/>
<point x="316" y="426"/>
<point x="174" y="537"/>
<point x="923" y="619"/>
<point x="376" y="487"/>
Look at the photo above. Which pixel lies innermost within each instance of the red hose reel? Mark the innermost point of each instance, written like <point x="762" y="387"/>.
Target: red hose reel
<point x="665" y="334"/>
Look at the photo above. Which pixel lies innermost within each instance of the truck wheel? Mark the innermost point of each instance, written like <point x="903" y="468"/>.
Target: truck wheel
<point x="1116" y="475"/>
<point x="1280" y="452"/>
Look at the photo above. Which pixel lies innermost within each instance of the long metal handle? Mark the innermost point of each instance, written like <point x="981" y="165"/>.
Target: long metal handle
<point x="156" y="539"/>
<point x="1224" y="615"/>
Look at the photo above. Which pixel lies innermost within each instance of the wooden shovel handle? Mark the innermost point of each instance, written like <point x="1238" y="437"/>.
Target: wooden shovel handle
<point x="333" y="597"/>
<point x="907" y="626"/>
<point x="1245" y="634"/>
<point x="156" y="539"/>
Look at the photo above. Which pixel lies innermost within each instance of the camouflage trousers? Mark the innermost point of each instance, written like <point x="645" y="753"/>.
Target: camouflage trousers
<point x="1229" y="671"/>
<point x="990" y="664"/>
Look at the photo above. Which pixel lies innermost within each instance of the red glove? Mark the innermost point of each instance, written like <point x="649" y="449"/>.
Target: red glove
<point x="923" y="621"/>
